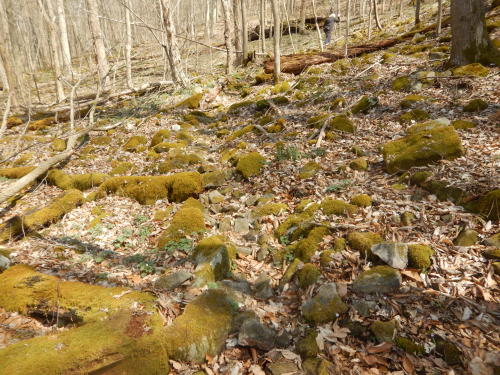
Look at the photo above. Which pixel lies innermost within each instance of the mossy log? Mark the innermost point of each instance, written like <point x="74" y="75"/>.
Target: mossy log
<point x="119" y="332"/>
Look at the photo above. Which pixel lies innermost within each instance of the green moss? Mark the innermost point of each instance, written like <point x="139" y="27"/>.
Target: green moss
<point x="307" y="247"/>
<point x="202" y="329"/>
<point x="178" y="161"/>
<point x="192" y="102"/>
<point x="307" y="346"/>
<point x="317" y="121"/>
<point x="281" y="87"/>
<point x="215" y="178"/>
<point x="488" y="205"/>
<point x="475" y="105"/>
<point x="309" y="170"/>
<point x="122" y="168"/>
<point x="251" y="164"/>
<point x="75" y="181"/>
<point x="419" y="256"/>
<point x="133" y="144"/>
<point x="240" y="133"/>
<point x="160" y="137"/>
<point x="407" y="218"/>
<point x="422" y="148"/>
<point x="167" y="146"/>
<point x="359" y="164"/>
<point x="475" y="70"/>
<point x="463" y="124"/>
<point x="290" y="271"/>
<point x="342" y="123"/>
<point x="42" y="123"/>
<point x="388" y="57"/>
<point x="414" y="115"/>
<point x="383" y="331"/>
<point x="263" y="78"/>
<point x="148" y="189"/>
<point x="361" y="200"/>
<point x="13" y="121"/>
<point x="409" y="346"/>
<point x="269" y="209"/>
<point x="492" y="254"/>
<point x="323" y="308"/>
<point x="22" y="225"/>
<point x="401" y="84"/>
<point x="337" y="207"/>
<point x="496" y="267"/>
<point x="411" y="101"/>
<point x="58" y="144"/>
<point x="363" y="241"/>
<point x="16" y="172"/>
<point x="364" y="105"/>
<point x="308" y="275"/>
<point x="419" y="178"/>
<point x="235" y="108"/>
<point x="265" y="104"/>
<point x="101" y="141"/>
<point x="185" y="222"/>
<point x="308" y="206"/>
<point x="325" y="258"/>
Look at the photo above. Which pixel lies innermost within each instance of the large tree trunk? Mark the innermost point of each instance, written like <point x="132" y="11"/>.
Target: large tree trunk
<point x="262" y="25"/>
<point x="174" y="56"/>
<point x="100" y="49"/>
<point x="470" y="42"/>
<point x="244" y="29"/>
<point x="228" y="35"/>
<point x="128" y="45"/>
<point x="375" y="11"/>
<point x="303" y="16"/>
<point x="7" y="56"/>
<point x="237" y="30"/>
<point x="63" y="35"/>
<point x="277" y="37"/>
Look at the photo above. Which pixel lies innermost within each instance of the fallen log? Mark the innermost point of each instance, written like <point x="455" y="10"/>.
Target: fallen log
<point x="297" y="63"/>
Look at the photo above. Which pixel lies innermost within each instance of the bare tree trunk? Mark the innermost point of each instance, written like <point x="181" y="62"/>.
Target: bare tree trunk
<point x="228" y="35"/>
<point x="470" y="41"/>
<point x="370" y="15"/>
<point x="7" y="57"/>
<point x="3" y="124"/>
<point x="63" y="36"/>
<point x="400" y="8"/>
<point x="375" y="10"/>
<point x="320" y="39"/>
<point x="128" y="45"/>
<point x="348" y="20"/>
<point x="3" y="76"/>
<point x="303" y="16"/>
<point x="440" y="17"/>
<point x="290" y="34"/>
<point x="244" y="30"/>
<point x="417" y="12"/>
<point x="277" y="36"/>
<point x="174" y="57"/>
<point x="237" y="30"/>
<point x="100" y="50"/>
<point x="262" y="23"/>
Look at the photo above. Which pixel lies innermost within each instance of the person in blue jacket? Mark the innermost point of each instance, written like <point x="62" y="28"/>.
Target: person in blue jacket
<point x="329" y="26"/>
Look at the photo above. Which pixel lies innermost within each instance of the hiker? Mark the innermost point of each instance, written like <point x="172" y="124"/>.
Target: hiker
<point x="329" y="26"/>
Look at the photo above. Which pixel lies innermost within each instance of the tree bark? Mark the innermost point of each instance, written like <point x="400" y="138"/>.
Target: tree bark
<point x="417" y="12"/>
<point x="244" y="30"/>
<point x="100" y="49"/>
<point x="303" y="16"/>
<point x="320" y="39"/>
<point x="440" y="16"/>
<point x="174" y="57"/>
<point x="128" y="45"/>
<point x="237" y="31"/>
<point x="228" y="35"/>
<point x="277" y="37"/>
<point x="7" y="57"/>
<point x="262" y="25"/>
<point x="348" y="20"/>
<point x="370" y="15"/>
<point x="63" y="36"/>
<point x="375" y="11"/>
<point x="470" y="42"/>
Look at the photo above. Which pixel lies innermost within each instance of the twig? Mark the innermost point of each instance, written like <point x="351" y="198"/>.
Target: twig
<point x="321" y="134"/>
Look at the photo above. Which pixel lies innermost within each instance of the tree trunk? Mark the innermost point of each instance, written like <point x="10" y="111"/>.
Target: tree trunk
<point x="174" y="57"/>
<point x="348" y="20"/>
<point x="303" y="16"/>
<point x="237" y="30"/>
<point x="370" y="15"/>
<point x="375" y="10"/>
<point x="100" y="49"/>
<point x="7" y="57"/>
<point x="320" y="39"/>
<point x="228" y="35"/>
<point x="470" y="42"/>
<point x="440" y="16"/>
<point x="128" y="45"/>
<point x="400" y="8"/>
<point x="262" y="24"/>
<point x="63" y="36"/>
<point x="277" y="37"/>
<point x="417" y="12"/>
<point x="244" y="30"/>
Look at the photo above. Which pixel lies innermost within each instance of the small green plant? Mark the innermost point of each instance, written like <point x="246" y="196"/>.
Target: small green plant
<point x="284" y="240"/>
<point x="140" y="219"/>
<point x="212" y="285"/>
<point x="96" y="230"/>
<point x="338" y="185"/>
<point x="121" y="240"/>
<point x="144" y="231"/>
<point x="146" y="267"/>
<point x="289" y="257"/>
<point x="287" y="153"/>
<point x="316" y="152"/>
<point x="185" y="245"/>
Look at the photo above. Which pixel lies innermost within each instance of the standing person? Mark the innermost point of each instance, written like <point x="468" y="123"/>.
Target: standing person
<point x="329" y="26"/>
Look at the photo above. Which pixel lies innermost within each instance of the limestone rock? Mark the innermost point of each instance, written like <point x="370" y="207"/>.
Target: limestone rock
<point x="254" y="334"/>
<point x="493" y="240"/>
<point x="325" y="307"/>
<point x="379" y="279"/>
<point x="467" y="237"/>
<point x="383" y="331"/>
<point x="393" y="253"/>
<point x="172" y="280"/>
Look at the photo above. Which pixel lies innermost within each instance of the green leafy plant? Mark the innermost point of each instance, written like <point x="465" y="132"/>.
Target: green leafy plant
<point x="284" y="240"/>
<point x="338" y="185"/>
<point x="316" y="152"/>
<point x="121" y="240"/>
<point x="185" y="245"/>
<point x="287" y="153"/>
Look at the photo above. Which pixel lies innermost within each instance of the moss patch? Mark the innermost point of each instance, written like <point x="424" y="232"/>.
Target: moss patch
<point x="359" y="164"/>
<point x="185" y="222"/>
<point x="364" y="105"/>
<point x="487" y="206"/>
<point x="361" y="200"/>
<point x="409" y="346"/>
<point x="414" y="115"/>
<point x="363" y="241"/>
<point x="75" y="181"/>
<point x="16" y="172"/>
<point x="337" y="207"/>
<point x="251" y="164"/>
<point x="269" y="209"/>
<point x="475" y="70"/>
<point x="342" y="123"/>
<point x="475" y="105"/>
<point x="159" y="137"/>
<point x="309" y="170"/>
<point x="419" y="256"/>
<point x="134" y="143"/>
<point x="192" y="102"/>
<point x="463" y="124"/>
<point x="308" y="275"/>
<point x="411" y="101"/>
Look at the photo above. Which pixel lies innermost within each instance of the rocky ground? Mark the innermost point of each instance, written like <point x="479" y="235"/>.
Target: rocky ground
<point x="342" y="221"/>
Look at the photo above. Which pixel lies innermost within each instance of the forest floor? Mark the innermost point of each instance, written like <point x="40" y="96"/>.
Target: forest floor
<point x="440" y="318"/>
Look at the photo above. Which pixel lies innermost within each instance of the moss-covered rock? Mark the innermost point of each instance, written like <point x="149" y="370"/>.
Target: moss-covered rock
<point x="361" y="200"/>
<point x="22" y="225"/>
<point x="281" y="87"/>
<point x="419" y="178"/>
<point x="496" y="267"/>
<point x="185" y="222"/>
<point x="419" y="256"/>
<point x="134" y="143"/>
<point x="463" y="124"/>
<point x="410" y="101"/>
<point x="401" y="84"/>
<point x="148" y="189"/>
<point x="58" y="144"/>
<point x="192" y="102"/>
<point x="488" y="205"/>
<point x="337" y="207"/>
<point x="383" y="331"/>
<point x="474" y="70"/>
<point x="409" y="346"/>
<point x="475" y="105"/>
<point x="307" y="247"/>
<point x="240" y="133"/>
<point x="263" y="78"/>
<point x="493" y="240"/>
<point x="179" y="161"/>
<point x="101" y="140"/>
<point x="365" y="104"/>
<point x="251" y="164"/>
<point x="317" y="121"/>
<point x="265" y="104"/>
<point x="379" y="279"/>
<point x="238" y="107"/>
<point x="342" y="123"/>
<point x="13" y="121"/>
<point x="414" y="115"/>
<point x="325" y="307"/>
<point x="307" y="346"/>
<point x="215" y="178"/>
<point x="75" y="181"/>
<point x="159" y="137"/>
<point x="308" y="275"/>
<point x="466" y="237"/>
<point x="359" y="164"/>
<point x="214" y="255"/>
<point x="309" y="170"/>
<point x="422" y="148"/>
<point x="16" y="172"/>
<point x="450" y="352"/>
<point x="290" y="272"/>
<point x="202" y="328"/>
<point x="358" y="151"/>
<point x="363" y="242"/>
<point x="325" y="258"/>
<point x="269" y="209"/>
